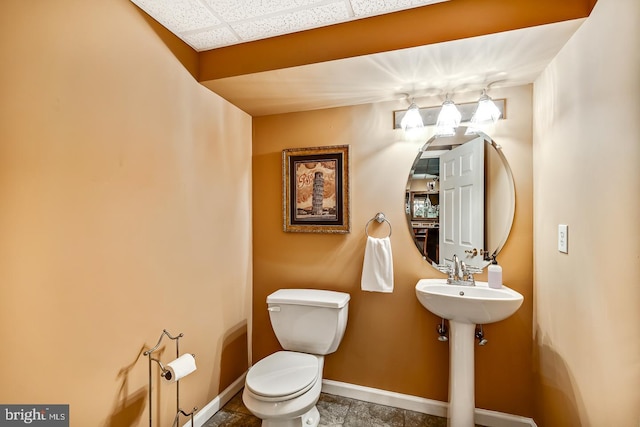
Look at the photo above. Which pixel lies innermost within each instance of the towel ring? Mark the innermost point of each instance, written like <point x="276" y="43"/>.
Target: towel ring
<point x="380" y="218"/>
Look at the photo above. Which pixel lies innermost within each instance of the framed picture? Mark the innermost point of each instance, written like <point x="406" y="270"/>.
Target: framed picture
<point x="316" y="189"/>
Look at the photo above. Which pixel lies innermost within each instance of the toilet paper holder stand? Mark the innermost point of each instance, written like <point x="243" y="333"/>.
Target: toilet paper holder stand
<point x="164" y="370"/>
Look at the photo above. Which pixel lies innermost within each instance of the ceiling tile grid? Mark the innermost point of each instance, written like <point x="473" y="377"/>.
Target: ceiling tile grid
<point x="217" y="36"/>
<point x="180" y="15"/>
<point x="241" y="10"/>
<point x="291" y="22"/>
<point x="363" y="8"/>
<point x="210" y="24"/>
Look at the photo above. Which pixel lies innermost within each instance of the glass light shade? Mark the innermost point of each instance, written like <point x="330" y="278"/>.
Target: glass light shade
<point x="412" y="118"/>
<point x="448" y="119"/>
<point x="486" y="113"/>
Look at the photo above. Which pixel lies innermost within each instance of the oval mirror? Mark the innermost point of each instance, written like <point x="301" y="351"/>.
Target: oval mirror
<point x="460" y="199"/>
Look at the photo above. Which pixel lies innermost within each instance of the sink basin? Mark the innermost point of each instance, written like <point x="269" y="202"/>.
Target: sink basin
<point x="478" y="304"/>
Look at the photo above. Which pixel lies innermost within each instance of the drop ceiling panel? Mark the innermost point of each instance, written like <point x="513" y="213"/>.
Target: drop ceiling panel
<point x="210" y="24"/>
<point x="218" y="36"/>
<point x="291" y="22"/>
<point x="179" y="16"/>
<point x="242" y="10"/>
<point x="363" y="8"/>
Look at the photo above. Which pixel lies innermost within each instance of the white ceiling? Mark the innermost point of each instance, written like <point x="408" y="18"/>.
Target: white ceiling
<point x="504" y="59"/>
<point x="510" y="58"/>
<point x="210" y="24"/>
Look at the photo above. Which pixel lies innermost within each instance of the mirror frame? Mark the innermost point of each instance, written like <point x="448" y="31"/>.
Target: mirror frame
<point x="509" y="209"/>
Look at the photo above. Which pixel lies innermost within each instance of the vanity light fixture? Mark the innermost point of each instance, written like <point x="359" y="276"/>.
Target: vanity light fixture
<point x="448" y="119"/>
<point x="429" y="115"/>
<point x="487" y="111"/>
<point x="412" y="118"/>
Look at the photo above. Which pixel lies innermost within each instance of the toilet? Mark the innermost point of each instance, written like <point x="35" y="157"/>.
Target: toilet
<point x="282" y="389"/>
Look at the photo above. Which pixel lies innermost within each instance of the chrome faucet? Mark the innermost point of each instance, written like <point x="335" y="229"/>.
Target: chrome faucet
<point x="455" y="268"/>
<point x="460" y="274"/>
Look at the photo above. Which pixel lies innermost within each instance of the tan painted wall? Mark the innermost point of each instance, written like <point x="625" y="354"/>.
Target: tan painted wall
<point x="124" y="187"/>
<point x="587" y="175"/>
<point x="390" y="342"/>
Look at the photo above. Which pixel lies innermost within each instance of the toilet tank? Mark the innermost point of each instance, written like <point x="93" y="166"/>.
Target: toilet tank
<point x="308" y="320"/>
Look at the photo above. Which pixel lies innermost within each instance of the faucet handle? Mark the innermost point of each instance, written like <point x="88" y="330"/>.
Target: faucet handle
<point x="467" y="273"/>
<point x="471" y="269"/>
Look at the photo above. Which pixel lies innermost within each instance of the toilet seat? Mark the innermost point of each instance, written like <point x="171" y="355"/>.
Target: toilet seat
<point x="283" y="375"/>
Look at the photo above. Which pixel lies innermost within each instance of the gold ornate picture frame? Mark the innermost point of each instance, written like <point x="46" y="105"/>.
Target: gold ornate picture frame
<point x="315" y="189"/>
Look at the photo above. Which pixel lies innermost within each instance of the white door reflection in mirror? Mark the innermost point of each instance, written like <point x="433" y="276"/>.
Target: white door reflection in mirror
<point x="471" y="221"/>
<point x="462" y="198"/>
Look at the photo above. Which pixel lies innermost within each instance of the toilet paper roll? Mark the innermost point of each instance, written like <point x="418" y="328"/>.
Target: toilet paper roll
<point x="180" y="368"/>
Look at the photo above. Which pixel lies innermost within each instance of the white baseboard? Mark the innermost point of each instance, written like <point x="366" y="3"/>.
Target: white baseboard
<point x="484" y="417"/>
<point x="203" y="415"/>
<point x="420" y="404"/>
<point x="383" y="397"/>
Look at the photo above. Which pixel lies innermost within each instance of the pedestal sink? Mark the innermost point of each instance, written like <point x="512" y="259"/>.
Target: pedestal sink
<point x="465" y="307"/>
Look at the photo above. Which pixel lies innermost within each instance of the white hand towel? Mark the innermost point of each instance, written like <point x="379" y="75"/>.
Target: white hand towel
<point x="377" y="268"/>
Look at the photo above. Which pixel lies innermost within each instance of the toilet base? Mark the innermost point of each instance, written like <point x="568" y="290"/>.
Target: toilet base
<point x="309" y="419"/>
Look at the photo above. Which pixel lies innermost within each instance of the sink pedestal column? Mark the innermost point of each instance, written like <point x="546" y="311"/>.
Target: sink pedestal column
<point x="461" y="375"/>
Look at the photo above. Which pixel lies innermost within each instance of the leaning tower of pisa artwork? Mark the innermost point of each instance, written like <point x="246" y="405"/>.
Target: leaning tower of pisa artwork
<point x="318" y="194"/>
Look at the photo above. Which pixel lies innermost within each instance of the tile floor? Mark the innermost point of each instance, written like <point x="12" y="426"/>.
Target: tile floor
<point x="335" y="411"/>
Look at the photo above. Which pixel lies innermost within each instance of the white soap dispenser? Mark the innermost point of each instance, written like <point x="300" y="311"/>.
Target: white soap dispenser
<point x="495" y="274"/>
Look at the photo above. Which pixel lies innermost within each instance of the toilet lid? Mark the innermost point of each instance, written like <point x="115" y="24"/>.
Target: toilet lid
<point x="284" y="373"/>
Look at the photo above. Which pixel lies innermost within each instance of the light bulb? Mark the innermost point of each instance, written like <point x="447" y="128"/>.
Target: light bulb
<point x="412" y="118"/>
<point x="487" y="111"/>
<point x="448" y="119"/>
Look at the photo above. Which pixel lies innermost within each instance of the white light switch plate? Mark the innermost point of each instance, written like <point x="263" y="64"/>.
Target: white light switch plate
<point x="563" y="235"/>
